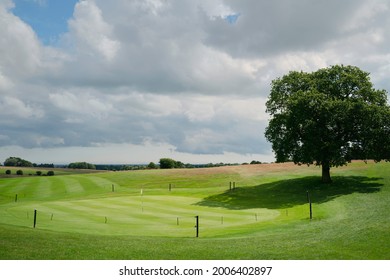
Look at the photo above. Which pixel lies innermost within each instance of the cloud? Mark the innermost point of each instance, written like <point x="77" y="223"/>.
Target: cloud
<point x="151" y="47"/>
<point x="17" y="108"/>
<point x="6" y="4"/>
<point x="272" y="27"/>
<point x="366" y="14"/>
<point x="19" y="46"/>
<point x="92" y="34"/>
<point x="81" y="104"/>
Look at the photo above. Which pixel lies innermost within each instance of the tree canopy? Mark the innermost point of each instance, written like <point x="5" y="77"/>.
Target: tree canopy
<point x="328" y="117"/>
<point x="16" y="161"/>
<point x="167" y="163"/>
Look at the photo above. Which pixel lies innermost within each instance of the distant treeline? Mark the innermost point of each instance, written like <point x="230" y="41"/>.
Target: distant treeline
<point x="120" y="167"/>
<point x="44" y="165"/>
<point x="81" y="165"/>
<point x="164" y="163"/>
<point x="19" y="162"/>
<point x="152" y="165"/>
<point x="168" y="163"/>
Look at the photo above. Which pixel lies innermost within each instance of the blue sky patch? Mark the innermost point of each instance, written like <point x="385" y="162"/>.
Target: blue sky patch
<point x="48" y="18"/>
<point x="232" y="19"/>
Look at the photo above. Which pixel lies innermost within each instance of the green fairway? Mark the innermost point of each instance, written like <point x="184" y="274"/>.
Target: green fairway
<point x="150" y="214"/>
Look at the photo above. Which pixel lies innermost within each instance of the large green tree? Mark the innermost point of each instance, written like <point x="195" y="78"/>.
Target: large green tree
<point x="328" y="118"/>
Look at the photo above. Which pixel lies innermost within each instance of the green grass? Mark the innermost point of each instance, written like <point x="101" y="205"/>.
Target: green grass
<point x="265" y="217"/>
<point x="31" y="171"/>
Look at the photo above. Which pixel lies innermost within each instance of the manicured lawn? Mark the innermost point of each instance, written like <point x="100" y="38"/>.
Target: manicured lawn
<point x="151" y="214"/>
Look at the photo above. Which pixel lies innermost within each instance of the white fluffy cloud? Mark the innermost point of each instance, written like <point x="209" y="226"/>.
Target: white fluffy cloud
<point x="21" y="53"/>
<point x="91" y="33"/>
<point x="176" y="74"/>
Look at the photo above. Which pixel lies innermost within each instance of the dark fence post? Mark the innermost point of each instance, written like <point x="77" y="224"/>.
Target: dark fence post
<point x="35" y="218"/>
<point x="310" y="208"/>
<point x="197" y="225"/>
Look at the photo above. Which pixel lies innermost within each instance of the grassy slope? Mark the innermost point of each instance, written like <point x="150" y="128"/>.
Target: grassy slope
<point x="351" y="218"/>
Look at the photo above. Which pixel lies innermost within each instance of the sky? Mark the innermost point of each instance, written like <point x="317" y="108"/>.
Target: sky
<point x="134" y="81"/>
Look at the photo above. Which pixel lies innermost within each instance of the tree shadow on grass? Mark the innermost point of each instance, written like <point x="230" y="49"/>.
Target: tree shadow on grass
<point x="289" y="193"/>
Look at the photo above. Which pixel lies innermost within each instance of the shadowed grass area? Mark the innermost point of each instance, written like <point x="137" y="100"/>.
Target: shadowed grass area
<point x="293" y="192"/>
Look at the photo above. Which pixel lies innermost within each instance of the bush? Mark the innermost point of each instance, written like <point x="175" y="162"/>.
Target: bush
<point x="152" y="165"/>
<point x="39" y="173"/>
<point x="19" y="172"/>
<point x="50" y="173"/>
<point x="8" y="172"/>
<point x="167" y="163"/>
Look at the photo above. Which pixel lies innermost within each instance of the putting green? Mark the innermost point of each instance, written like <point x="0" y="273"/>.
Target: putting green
<point x="138" y="216"/>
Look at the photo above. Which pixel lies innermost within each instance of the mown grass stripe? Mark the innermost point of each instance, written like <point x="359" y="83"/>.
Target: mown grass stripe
<point x="58" y="187"/>
<point x="18" y="186"/>
<point x="90" y="187"/>
<point x="102" y="182"/>
<point x="72" y="184"/>
<point x="43" y="188"/>
<point x="85" y="215"/>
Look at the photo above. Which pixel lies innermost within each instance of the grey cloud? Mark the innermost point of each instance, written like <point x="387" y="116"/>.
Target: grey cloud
<point x="160" y="52"/>
<point x="137" y="119"/>
<point x="267" y="28"/>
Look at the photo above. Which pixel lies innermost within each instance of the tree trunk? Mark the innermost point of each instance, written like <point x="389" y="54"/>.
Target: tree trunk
<point x="326" y="173"/>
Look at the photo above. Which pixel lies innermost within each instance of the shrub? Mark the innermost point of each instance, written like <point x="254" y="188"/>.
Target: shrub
<point x="167" y="163"/>
<point x="50" y="173"/>
<point x="152" y="165"/>
<point x="39" y="173"/>
<point x="8" y="172"/>
<point x="19" y="172"/>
